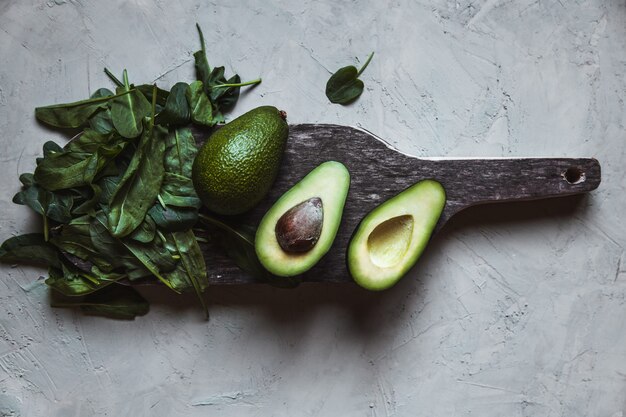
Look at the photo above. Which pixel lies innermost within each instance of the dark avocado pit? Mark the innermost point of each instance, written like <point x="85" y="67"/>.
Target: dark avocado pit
<point x="299" y="229"/>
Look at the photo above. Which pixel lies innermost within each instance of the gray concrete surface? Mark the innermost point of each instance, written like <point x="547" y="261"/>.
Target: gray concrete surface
<point x="515" y="310"/>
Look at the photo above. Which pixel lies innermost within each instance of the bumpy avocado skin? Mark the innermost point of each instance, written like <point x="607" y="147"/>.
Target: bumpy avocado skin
<point x="237" y="166"/>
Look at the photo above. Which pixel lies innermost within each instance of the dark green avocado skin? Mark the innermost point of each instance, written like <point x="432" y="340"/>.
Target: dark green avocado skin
<point x="237" y="166"/>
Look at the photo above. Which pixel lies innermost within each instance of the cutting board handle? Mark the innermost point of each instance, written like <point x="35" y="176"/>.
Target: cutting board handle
<point x="479" y="181"/>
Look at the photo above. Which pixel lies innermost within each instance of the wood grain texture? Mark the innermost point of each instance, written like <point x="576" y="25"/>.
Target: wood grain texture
<point x="379" y="172"/>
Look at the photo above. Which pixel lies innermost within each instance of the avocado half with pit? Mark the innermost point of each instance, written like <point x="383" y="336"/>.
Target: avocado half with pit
<point x="391" y="238"/>
<point x="301" y="226"/>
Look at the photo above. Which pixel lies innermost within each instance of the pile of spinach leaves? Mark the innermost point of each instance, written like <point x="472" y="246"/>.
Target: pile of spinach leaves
<point x="117" y="201"/>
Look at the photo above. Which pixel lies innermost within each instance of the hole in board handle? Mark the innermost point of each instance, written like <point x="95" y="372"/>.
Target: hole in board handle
<point x="574" y="175"/>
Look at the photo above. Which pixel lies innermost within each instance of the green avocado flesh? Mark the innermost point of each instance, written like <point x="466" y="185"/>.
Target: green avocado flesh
<point x="237" y="166"/>
<point x="329" y="182"/>
<point x="391" y="238"/>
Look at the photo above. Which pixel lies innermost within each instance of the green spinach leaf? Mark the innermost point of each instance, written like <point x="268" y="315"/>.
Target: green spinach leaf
<point x="120" y="256"/>
<point x="173" y="219"/>
<point x="88" y="204"/>
<point x="216" y="76"/>
<point x="102" y="92"/>
<point x="178" y="191"/>
<point x="90" y="140"/>
<point x="191" y="265"/>
<point x="344" y="86"/>
<point x="73" y="168"/>
<point x="223" y="96"/>
<point x="29" y="248"/>
<point x="50" y="148"/>
<point x="154" y="258"/>
<point x="150" y="92"/>
<point x="109" y="184"/>
<point x="73" y="282"/>
<point x="176" y="111"/>
<point x="180" y="152"/>
<point x="101" y="121"/>
<point x="129" y="110"/>
<point x="145" y="232"/>
<point x="227" y="97"/>
<point x="179" y="203"/>
<point x="75" y="238"/>
<point x="201" y="63"/>
<point x="55" y="206"/>
<point x="138" y="189"/>
<point x="115" y="301"/>
<point x="73" y="115"/>
<point x="200" y="104"/>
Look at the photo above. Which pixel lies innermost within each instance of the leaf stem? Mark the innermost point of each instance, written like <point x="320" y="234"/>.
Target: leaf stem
<point x="201" y="38"/>
<point x="91" y="279"/>
<point x="161" y="202"/>
<point x="221" y="225"/>
<point x="82" y="102"/>
<point x="367" y="62"/>
<point x="46" y="235"/>
<point x="257" y="81"/>
<point x="164" y="281"/>
<point x="154" y="99"/>
<point x="161" y="236"/>
<point x="125" y="78"/>
<point x="113" y="77"/>
<point x="79" y="304"/>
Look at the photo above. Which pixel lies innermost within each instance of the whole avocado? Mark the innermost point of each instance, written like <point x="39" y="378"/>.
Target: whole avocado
<point x="237" y="166"/>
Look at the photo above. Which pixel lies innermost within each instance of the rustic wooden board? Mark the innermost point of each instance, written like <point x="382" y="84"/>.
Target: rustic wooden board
<point x="378" y="172"/>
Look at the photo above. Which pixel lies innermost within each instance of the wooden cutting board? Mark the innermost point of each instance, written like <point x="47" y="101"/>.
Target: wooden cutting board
<point x="378" y="172"/>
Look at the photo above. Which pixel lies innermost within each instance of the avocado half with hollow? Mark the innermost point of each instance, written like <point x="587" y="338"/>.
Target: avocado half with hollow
<point x="391" y="238"/>
<point x="301" y="226"/>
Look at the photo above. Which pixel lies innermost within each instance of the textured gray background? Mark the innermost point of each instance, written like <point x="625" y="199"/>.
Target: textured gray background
<point x="515" y="310"/>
